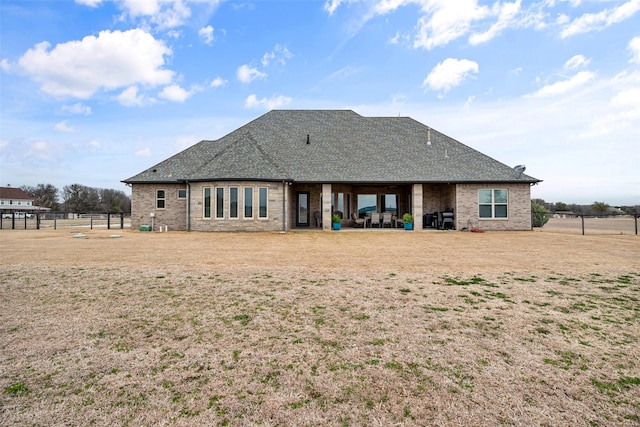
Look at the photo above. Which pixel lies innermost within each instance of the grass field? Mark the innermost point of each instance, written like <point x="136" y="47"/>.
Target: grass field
<point x="308" y="329"/>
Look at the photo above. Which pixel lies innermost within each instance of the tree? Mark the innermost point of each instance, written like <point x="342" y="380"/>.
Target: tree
<point x="44" y="195"/>
<point x="539" y="214"/>
<point x="600" y="207"/>
<point x="560" y="206"/>
<point x="114" y="201"/>
<point x="80" y="199"/>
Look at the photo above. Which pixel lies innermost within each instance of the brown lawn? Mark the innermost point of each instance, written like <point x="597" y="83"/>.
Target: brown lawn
<point x="308" y="328"/>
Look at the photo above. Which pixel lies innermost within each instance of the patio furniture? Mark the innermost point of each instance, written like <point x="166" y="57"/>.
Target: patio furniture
<point x="318" y="217"/>
<point x="375" y="219"/>
<point x="358" y="222"/>
<point x="386" y="219"/>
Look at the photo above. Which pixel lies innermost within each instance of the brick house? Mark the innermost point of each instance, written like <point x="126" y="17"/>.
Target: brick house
<point x="291" y="169"/>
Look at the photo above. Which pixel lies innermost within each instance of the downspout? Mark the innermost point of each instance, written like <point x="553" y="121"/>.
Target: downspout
<point x="188" y="205"/>
<point x="284" y="206"/>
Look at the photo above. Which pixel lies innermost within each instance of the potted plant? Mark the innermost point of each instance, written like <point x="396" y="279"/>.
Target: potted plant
<point x="336" y="221"/>
<point x="407" y="220"/>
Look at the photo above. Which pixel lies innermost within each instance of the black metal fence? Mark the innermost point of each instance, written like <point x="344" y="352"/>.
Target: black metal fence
<point x="55" y="220"/>
<point x="592" y="224"/>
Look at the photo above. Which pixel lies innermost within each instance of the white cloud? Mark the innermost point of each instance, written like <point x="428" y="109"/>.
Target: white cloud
<point x="449" y="73"/>
<point x="279" y="54"/>
<point x="218" y="82"/>
<point x="77" y="108"/>
<point x="94" y="144"/>
<point x="634" y="48"/>
<point x="252" y="101"/>
<point x="598" y="21"/>
<point x="90" y="3"/>
<point x="109" y="61"/>
<point x="247" y="74"/>
<point x="63" y="126"/>
<point x="331" y="5"/>
<point x="175" y="93"/>
<point x="446" y="21"/>
<point x="559" y="88"/>
<point x="130" y="97"/>
<point x="576" y="61"/>
<point x="5" y="66"/>
<point x="507" y="13"/>
<point x="145" y="152"/>
<point x="206" y="34"/>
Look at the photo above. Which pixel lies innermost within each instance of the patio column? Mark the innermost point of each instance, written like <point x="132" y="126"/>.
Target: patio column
<point x="326" y="206"/>
<point x="416" y="208"/>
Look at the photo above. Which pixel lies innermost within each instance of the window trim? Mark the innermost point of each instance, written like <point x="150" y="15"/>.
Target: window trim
<point x="244" y="203"/>
<point x="185" y="194"/>
<point x="204" y="202"/>
<point x="493" y="205"/>
<point x="217" y="214"/>
<point x="237" y="190"/>
<point x="163" y="198"/>
<point x="266" y="203"/>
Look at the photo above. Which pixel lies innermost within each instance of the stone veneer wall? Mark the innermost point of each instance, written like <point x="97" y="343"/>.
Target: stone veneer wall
<point x="274" y="219"/>
<point x="519" y="209"/>
<point x="143" y="203"/>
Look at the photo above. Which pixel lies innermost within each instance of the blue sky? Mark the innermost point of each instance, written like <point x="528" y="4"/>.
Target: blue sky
<point x="95" y="91"/>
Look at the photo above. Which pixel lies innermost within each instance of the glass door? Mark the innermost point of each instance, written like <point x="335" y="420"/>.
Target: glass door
<point x="302" y="209"/>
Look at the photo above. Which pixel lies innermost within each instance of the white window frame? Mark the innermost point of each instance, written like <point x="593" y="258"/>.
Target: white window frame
<point x="163" y="198"/>
<point x="204" y="202"/>
<point x="238" y="202"/>
<point x="493" y="204"/>
<point x="266" y="203"/>
<point x="245" y="199"/>
<point x="218" y="214"/>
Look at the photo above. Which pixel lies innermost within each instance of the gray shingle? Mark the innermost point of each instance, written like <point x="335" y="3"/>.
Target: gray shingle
<point x="343" y="147"/>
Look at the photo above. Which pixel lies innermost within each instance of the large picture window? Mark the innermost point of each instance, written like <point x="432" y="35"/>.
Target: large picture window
<point x="161" y="197"/>
<point x="206" y="205"/>
<point x="219" y="202"/>
<point x="248" y="202"/>
<point x="493" y="203"/>
<point x="233" y="202"/>
<point x="262" y="202"/>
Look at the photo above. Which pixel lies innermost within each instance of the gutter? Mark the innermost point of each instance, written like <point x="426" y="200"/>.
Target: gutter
<point x="188" y="205"/>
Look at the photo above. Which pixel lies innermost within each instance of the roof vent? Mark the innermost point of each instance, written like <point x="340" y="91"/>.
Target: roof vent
<point x="308" y="139"/>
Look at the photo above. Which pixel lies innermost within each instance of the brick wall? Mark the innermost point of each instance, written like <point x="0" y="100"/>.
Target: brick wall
<point x="273" y="221"/>
<point x="519" y="207"/>
<point x="143" y="203"/>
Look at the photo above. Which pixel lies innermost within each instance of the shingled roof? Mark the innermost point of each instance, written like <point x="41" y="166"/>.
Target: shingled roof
<point x="341" y="146"/>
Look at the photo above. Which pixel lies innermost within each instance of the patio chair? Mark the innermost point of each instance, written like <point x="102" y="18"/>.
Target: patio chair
<point x="386" y="219"/>
<point x="318" y="217"/>
<point x="375" y="219"/>
<point x="357" y="222"/>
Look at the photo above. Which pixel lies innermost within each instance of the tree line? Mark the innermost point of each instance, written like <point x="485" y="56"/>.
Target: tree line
<point x="79" y="198"/>
<point x="594" y="209"/>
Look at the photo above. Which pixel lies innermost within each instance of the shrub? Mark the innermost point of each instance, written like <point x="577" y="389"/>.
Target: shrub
<point x="539" y="214"/>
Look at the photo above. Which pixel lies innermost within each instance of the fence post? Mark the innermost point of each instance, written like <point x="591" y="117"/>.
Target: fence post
<point x="91" y="221"/>
<point x="582" y="217"/>
<point x="55" y="220"/>
<point x="636" y="220"/>
<point x="121" y="220"/>
<point x="37" y="221"/>
<point x="108" y="221"/>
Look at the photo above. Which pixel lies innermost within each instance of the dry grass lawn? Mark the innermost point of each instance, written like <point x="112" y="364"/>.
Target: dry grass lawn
<point x="369" y="328"/>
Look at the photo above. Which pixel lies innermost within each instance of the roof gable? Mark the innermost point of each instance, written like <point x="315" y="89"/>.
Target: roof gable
<point x="13" y="193"/>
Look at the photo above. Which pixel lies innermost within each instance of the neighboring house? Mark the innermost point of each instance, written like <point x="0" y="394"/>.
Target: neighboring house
<point x="15" y="202"/>
<point x="276" y="172"/>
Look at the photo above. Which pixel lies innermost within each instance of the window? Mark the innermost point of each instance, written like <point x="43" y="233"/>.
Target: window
<point x="493" y="203"/>
<point x="160" y="199"/>
<point x="182" y="194"/>
<point x="262" y="202"/>
<point x="366" y="203"/>
<point x="248" y="202"/>
<point x="233" y="202"/>
<point x="206" y="205"/>
<point x="391" y="203"/>
<point x="219" y="202"/>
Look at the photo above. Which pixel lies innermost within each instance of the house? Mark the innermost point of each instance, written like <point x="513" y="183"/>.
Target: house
<point x="15" y="202"/>
<point x="287" y="167"/>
